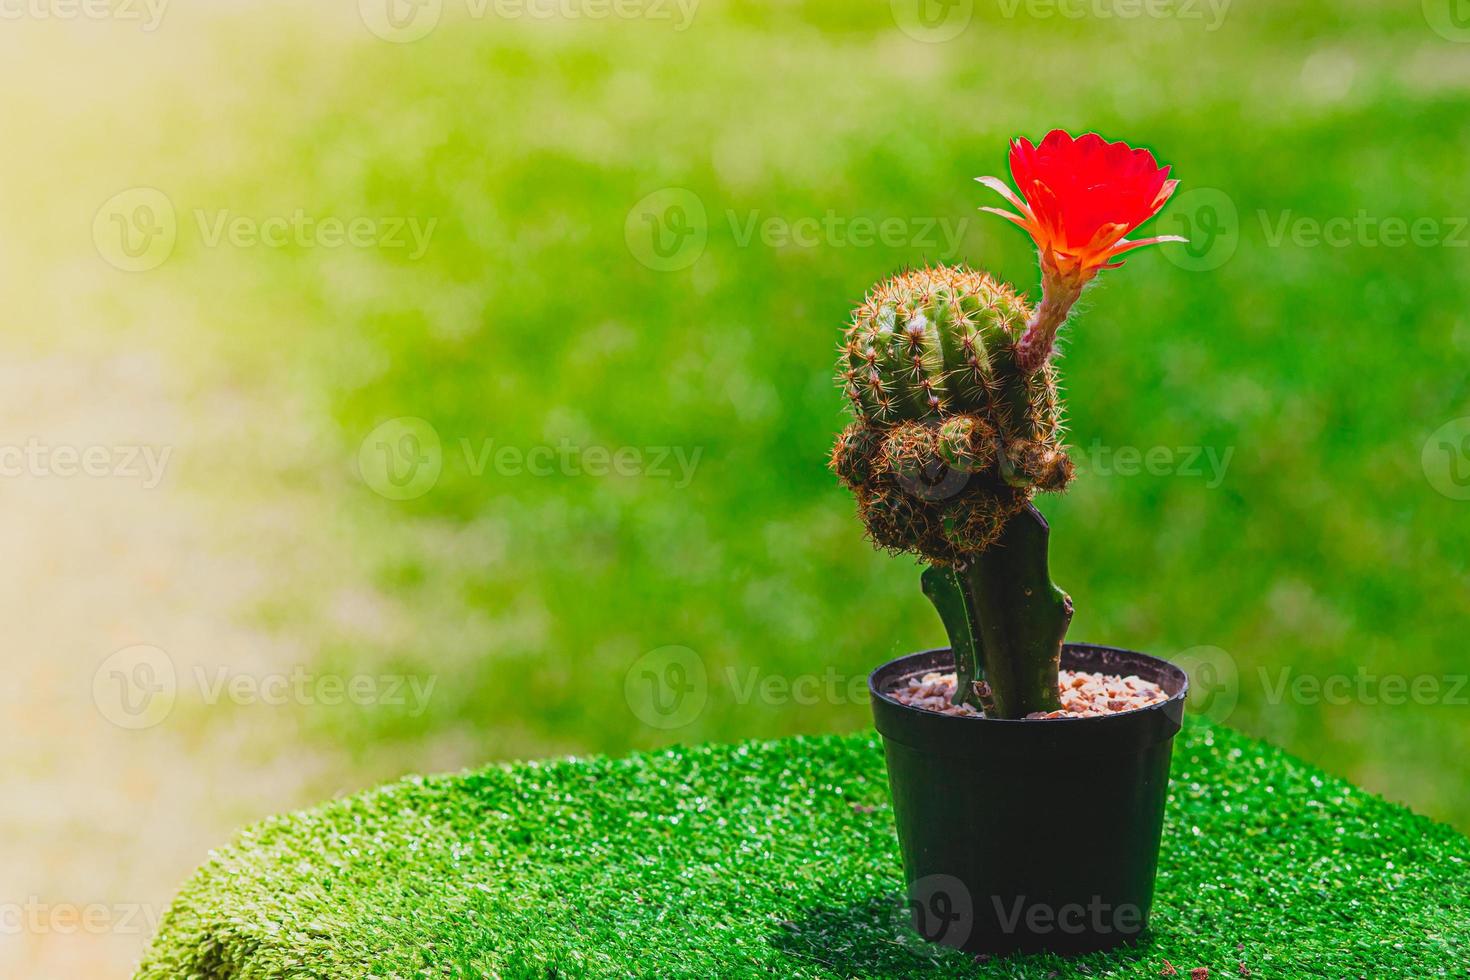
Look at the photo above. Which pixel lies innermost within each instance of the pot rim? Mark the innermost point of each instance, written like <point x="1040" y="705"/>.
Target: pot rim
<point x="1172" y="705"/>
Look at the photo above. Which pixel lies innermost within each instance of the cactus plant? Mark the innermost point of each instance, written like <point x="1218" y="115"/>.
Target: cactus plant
<point x="958" y="422"/>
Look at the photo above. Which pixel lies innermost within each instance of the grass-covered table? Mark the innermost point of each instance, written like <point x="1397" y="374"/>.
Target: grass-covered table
<point x="778" y="859"/>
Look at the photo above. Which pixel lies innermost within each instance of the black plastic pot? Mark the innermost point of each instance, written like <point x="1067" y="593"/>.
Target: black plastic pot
<point x="1030" y="835"/>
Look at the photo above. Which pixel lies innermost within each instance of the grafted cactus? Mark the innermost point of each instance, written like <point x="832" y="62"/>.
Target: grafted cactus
<point x="959" y="423"/>
<point x="951" y="439"/>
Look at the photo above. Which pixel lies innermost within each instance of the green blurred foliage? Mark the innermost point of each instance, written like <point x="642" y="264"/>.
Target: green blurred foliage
<point x="530" y="320"/>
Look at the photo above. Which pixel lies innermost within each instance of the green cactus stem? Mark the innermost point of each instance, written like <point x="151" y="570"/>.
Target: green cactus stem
<point x="946" y="589"/>
<point x="1006" y="621"/>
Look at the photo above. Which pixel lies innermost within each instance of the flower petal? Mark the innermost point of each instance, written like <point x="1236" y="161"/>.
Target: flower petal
<point x="1024" y="223"/>
<point x="1004" y="190"/>
<point x="1166" y="190"/>
<point x="1107" y="236"/>
<point x="1124" y="245"/>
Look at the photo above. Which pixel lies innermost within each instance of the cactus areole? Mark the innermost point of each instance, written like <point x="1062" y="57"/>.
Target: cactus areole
<point x="958" y="420"/>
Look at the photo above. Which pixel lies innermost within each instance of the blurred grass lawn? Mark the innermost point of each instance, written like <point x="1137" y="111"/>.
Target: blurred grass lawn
<point x="530" y="320"/>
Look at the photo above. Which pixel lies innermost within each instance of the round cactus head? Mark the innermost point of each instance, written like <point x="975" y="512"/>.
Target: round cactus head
<point x="951" y="439"/>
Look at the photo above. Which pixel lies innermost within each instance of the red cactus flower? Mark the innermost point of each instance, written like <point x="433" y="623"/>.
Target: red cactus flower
<point x="1080" y="197"/>
<point x="1079" y="200"/>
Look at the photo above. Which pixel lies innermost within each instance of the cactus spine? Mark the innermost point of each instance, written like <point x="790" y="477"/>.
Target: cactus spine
<point x="950" y="442"/>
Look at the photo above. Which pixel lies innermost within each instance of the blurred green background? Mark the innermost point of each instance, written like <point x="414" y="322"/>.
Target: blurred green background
<point x="643" y="233"/>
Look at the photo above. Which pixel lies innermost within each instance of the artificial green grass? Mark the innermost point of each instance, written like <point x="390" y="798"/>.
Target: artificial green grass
<point x="778" y="859"/>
